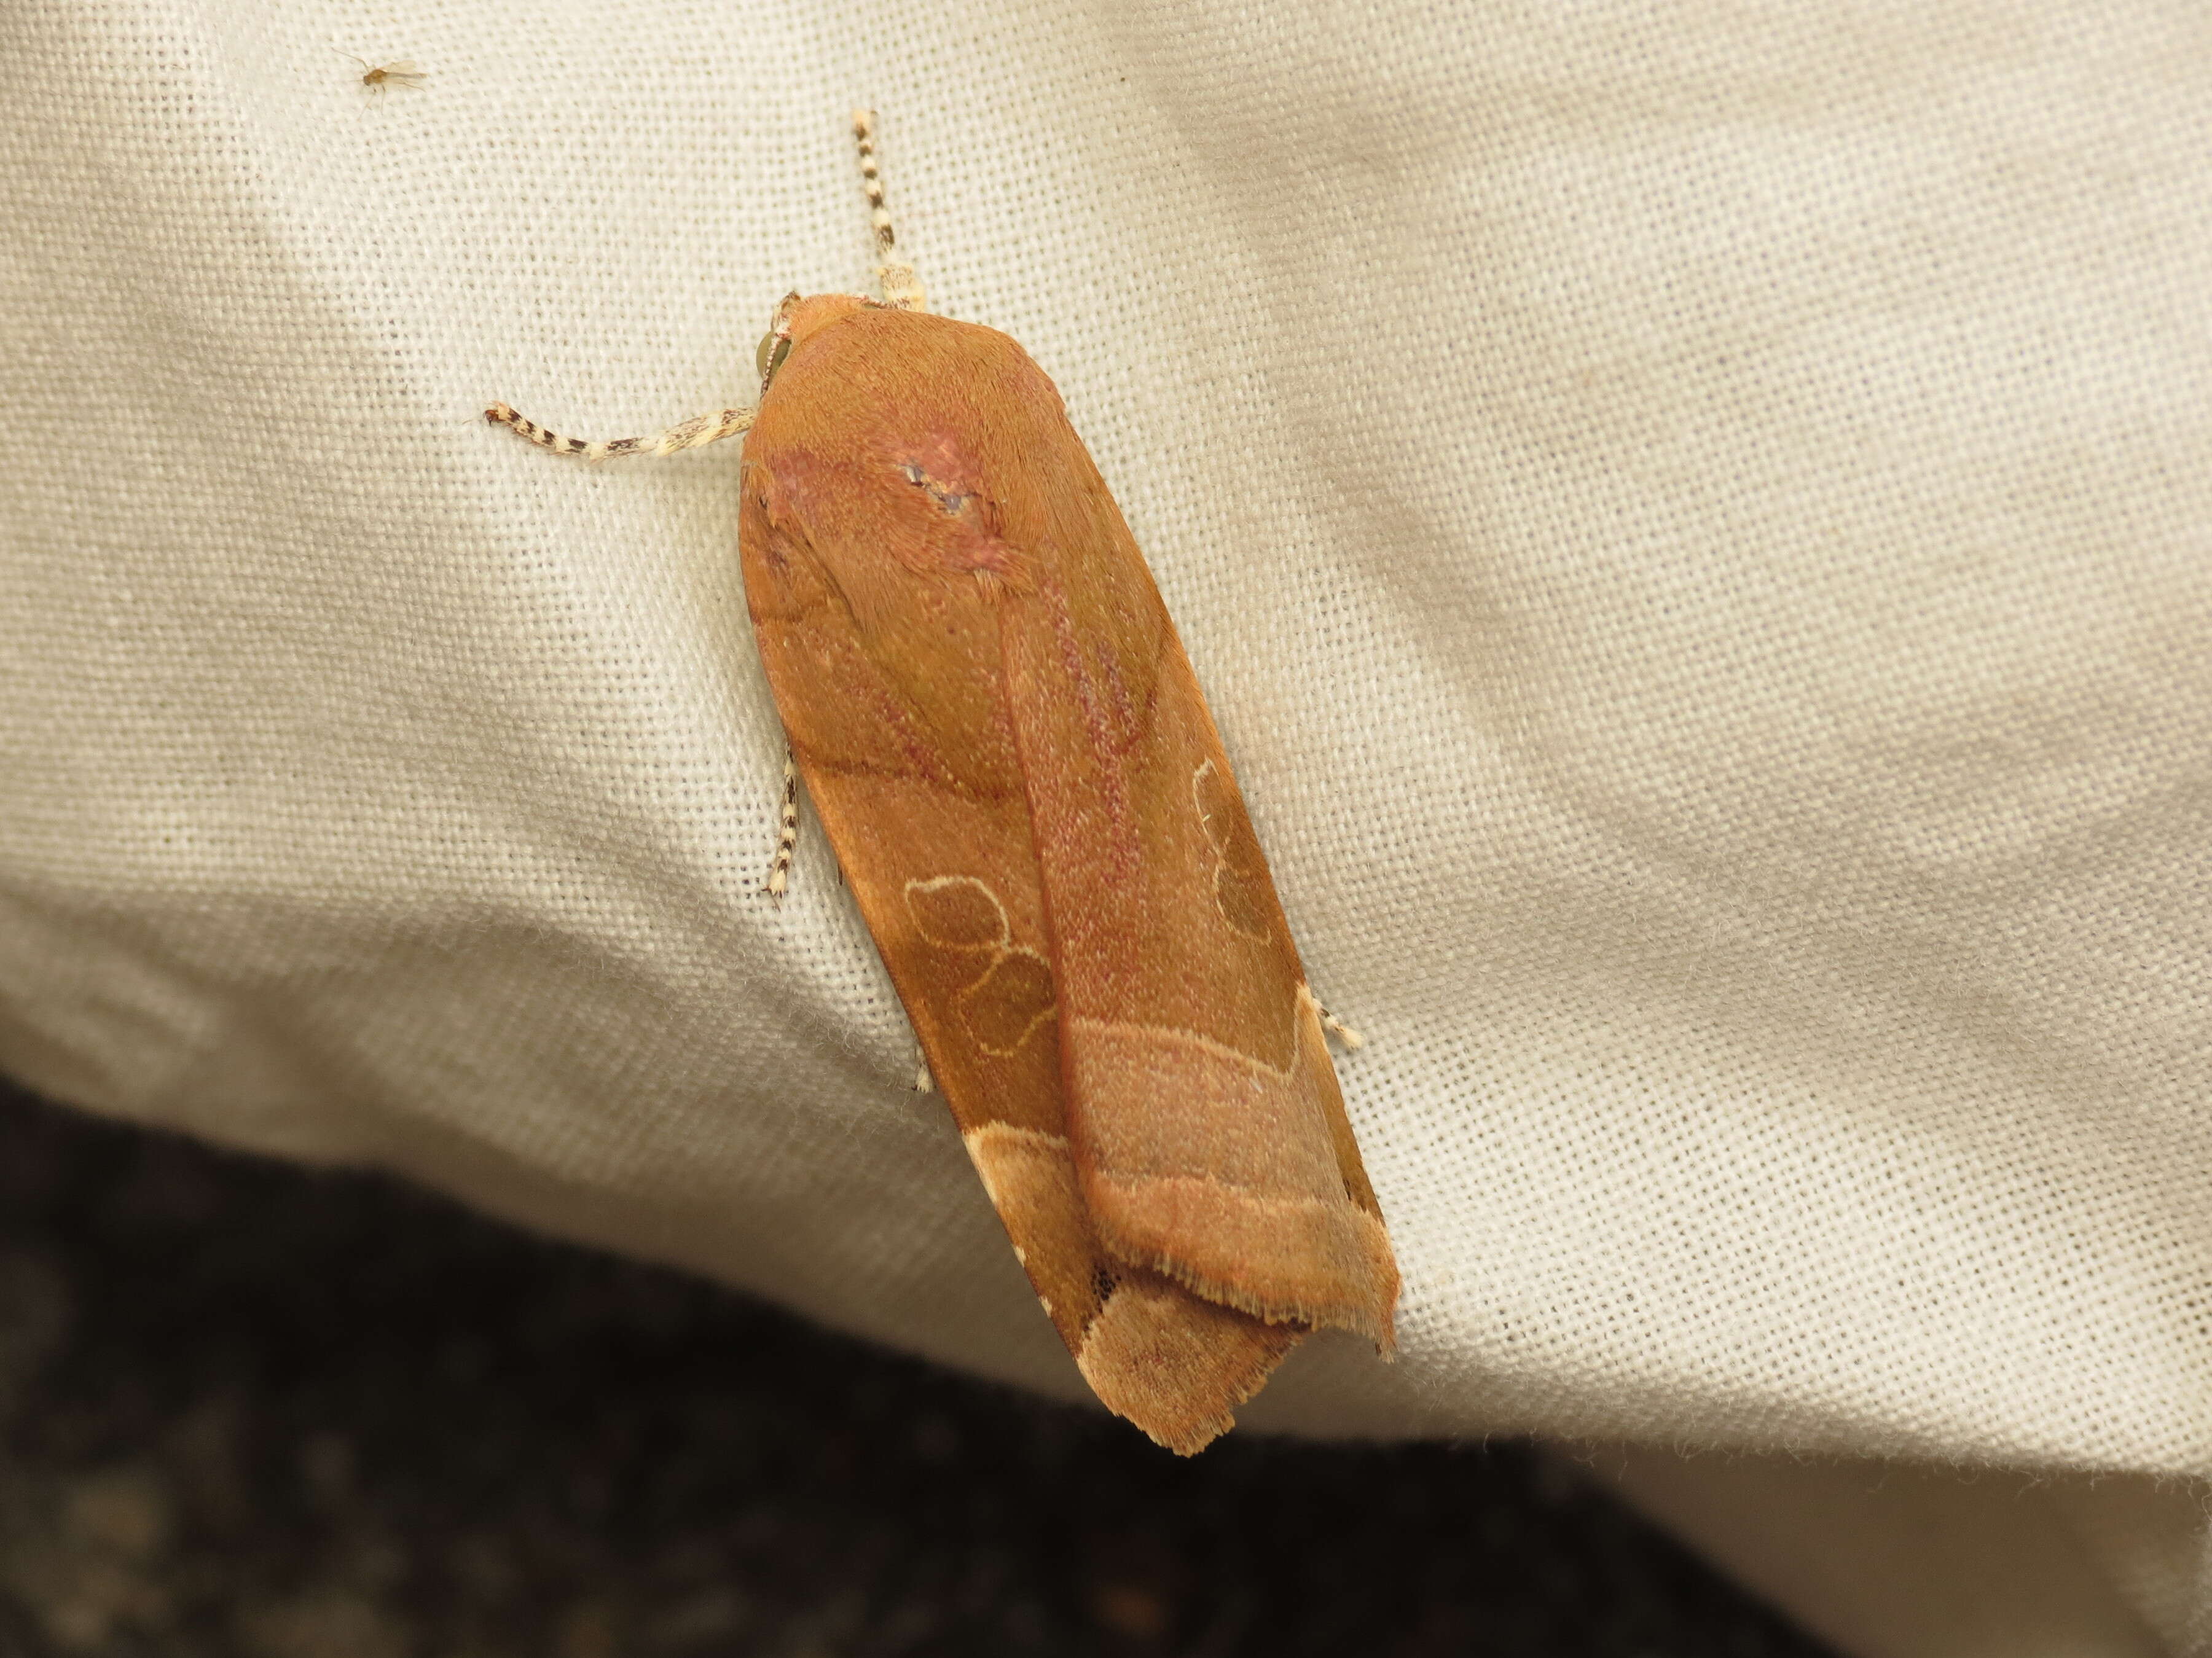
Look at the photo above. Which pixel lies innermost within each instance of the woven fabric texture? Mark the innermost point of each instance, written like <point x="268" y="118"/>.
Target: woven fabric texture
<point x="1693" y="523"/>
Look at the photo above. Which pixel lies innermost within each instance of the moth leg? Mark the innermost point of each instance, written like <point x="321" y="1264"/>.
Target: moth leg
<point x="1337" y="1028"/>
<point x="687" y="435"/>
<point x="923" y="1082"/>
<point x="786" y="837"/>
<point x="894" y="274"/>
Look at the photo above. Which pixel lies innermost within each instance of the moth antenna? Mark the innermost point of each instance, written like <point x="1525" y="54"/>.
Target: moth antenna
<point x="779" y="872"/>
<point x="894" y="274"/>
<point x="688" y="435"/>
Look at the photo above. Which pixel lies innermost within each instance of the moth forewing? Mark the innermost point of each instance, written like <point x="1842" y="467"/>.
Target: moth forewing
<point x="1019" y="776"/>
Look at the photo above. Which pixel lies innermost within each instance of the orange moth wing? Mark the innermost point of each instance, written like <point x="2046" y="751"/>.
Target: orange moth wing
<point x="1005" y="742"/>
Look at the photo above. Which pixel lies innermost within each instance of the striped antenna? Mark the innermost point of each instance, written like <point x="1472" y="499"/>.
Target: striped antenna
<point x="894" y="274"/>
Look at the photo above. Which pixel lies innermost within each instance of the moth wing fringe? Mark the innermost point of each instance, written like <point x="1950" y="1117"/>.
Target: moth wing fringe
<point x="1206" y="1287"/>
<point x="1176" y="1365"/>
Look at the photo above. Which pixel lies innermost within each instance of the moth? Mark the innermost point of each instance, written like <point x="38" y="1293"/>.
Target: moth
<point x="1002" y="737"/>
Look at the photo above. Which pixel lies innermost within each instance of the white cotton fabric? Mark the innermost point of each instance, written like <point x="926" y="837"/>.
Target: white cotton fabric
<point x="1694" y="524"/>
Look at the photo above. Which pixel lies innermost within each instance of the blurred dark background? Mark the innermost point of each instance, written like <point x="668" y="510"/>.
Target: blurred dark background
<point x="246" y="1408"/>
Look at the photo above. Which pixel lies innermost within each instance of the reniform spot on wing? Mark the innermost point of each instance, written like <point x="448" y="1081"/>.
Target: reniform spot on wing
<point x="1003" y="1008"/>
<point x="958" y="912"/>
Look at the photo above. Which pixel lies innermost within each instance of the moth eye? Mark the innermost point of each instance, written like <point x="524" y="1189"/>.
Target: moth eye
<point x="773" y="348"/>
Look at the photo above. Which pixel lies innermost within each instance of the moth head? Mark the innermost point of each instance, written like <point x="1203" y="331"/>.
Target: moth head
<point x="797" y="321"/>
<point x="775" y="345"/>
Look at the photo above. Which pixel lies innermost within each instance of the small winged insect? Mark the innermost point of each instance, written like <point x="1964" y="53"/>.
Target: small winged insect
<point x="377" y="76"/>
